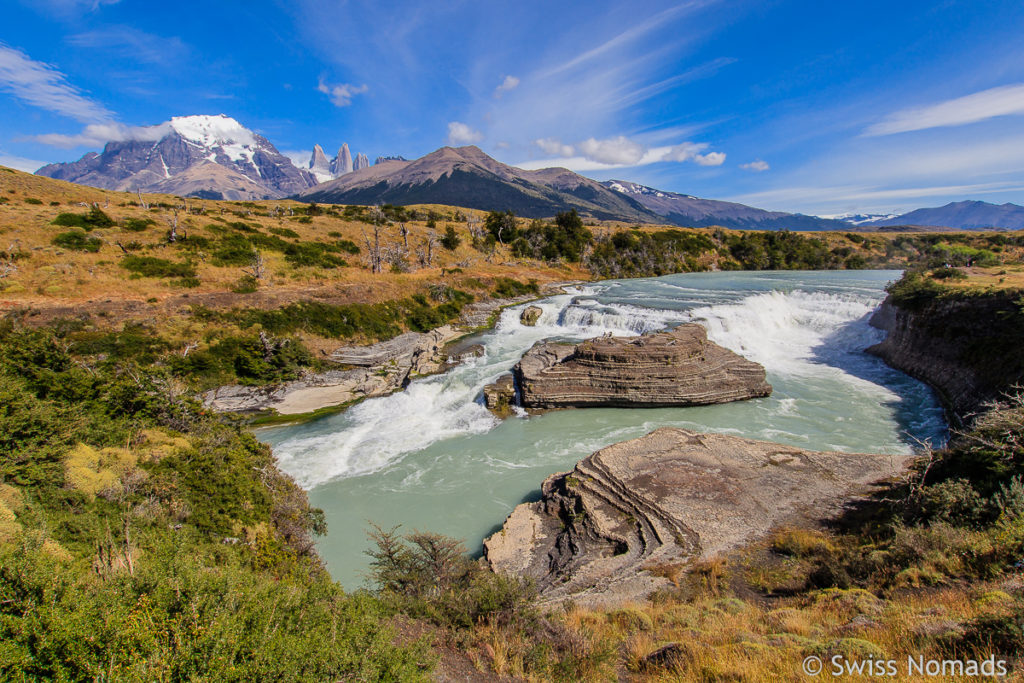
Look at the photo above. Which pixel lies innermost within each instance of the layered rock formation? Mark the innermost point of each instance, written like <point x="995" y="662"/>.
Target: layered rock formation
<point x="675" y="368"/>
<point x="967" y="347"/>
<point x="666" y="498"/>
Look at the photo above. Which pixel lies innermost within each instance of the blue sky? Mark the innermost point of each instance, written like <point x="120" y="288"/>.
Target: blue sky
<point x="816" y="107"/>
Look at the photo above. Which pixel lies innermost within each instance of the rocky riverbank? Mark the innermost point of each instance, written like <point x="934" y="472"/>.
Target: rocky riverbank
<point x="680" y="367"/>
<point x="599" y="532"/>
<point x="965" y="344"/>
<point x="374" y="370"/>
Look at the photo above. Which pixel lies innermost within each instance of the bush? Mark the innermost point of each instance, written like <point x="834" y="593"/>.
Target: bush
<point x="33" y="200"/>
<point x="507" y="288"/>
<point x="138" y="224"/>
<point x="150" y="266"/>
<point x="96" y="218"/>
<point x="77" y="240"/>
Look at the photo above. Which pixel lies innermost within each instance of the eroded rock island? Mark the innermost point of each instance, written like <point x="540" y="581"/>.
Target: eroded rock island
<point x="680" y="367"/>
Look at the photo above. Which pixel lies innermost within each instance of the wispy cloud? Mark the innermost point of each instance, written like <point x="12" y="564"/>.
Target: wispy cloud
<point x="626" y="37"/>
<point x="1003" y="101"/>
<point x="98" y="134"/>
<point x="757" y="166"/>
<point x="461" y="134"/>
<point x="341" y="94"/>
<point x="42" y="85"/>
<point x="132" y="43"/>
<point x="509" y="83"/>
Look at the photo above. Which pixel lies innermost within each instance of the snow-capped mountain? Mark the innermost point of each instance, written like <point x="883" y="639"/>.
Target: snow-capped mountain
<point x="207" y="156"/>
<point x="861" y="218"/>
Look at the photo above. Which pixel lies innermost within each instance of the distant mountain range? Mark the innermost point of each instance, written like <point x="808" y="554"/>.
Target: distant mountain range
<point x="689" y="211"/>
<point x="966" y="215"/>
<point x="216" y="157"/>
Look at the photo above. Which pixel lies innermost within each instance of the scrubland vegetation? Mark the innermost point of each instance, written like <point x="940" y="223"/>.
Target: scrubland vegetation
<point x="142" y="538"/>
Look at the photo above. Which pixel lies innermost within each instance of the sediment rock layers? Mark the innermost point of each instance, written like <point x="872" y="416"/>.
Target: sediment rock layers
<point x="674" y="368"/>
<point x="665" y="498"/>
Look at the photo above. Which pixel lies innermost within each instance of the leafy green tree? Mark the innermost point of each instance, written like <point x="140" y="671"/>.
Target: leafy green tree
<point x="502" y="225"/>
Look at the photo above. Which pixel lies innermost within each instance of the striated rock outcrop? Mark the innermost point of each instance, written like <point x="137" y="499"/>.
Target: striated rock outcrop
<point x="967" y="348"/>
<point x="675" y="368"/>
<point x="500" y="396"/>
<point x="668" y="497"/>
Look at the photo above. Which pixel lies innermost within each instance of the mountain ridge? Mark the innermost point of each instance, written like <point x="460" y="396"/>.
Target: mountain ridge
<point x="156" y="161"/>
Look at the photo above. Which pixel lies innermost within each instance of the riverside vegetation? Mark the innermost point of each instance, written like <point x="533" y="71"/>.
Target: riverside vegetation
<point x="142" y="538"/>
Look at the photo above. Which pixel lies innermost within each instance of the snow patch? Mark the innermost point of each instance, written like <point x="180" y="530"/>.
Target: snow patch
<point x="210" y="132"/>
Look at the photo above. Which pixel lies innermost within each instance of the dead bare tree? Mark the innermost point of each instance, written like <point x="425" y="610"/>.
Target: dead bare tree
<point x="189" y="347"/>
<point x="7" y="269"/>
<point x="173" y="237"/>
<point x="426" y="250"/>
<point x="256" y="269"/>
<point x="405" y="235"/>
<point x="142" y="202"/>
<point x="373" y="250"/>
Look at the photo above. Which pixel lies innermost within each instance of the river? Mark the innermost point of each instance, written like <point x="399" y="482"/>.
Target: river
<point x="433" y="458"/>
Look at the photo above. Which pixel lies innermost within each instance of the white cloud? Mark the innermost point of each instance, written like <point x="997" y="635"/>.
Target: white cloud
<point x="685" y="151"/>
<point x="710" y="159"/>
<point x="461" y="134"/>
<point x="555" y="147"/>
<point x="98" y="134"/>
<point x="21" y="163"/>
<point x="510" y="83"/>
<point x="617" y="150"/>
<point x="501" y="145"/>
<point x="341" y="94"/>
<point x="43" y="86"/>
<point x="1003" y="101"/>
<point x="757" y="166"/>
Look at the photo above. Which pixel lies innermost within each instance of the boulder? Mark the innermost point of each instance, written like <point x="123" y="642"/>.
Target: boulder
<point x="500" y="396"/>
<point x="667" y="498"/>
<point x="530" y="315"/>
<point x="674" y="368"/>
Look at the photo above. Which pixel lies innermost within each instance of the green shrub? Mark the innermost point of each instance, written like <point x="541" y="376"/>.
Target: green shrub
<point x="138" y="224"/>
<point x="95" y="218"/>
<point x="33" y="200"/>
<point x="150" y="266"/>
<point x="77" y="241"/>
<point x="507" y="288"/>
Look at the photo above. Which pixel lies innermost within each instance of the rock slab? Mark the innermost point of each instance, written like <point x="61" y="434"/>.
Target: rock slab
<point x="680" y="367"/>
<point x="669" y="497"/>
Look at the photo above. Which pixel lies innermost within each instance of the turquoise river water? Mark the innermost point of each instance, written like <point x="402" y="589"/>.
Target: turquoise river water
<point x="433" y="458"/>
